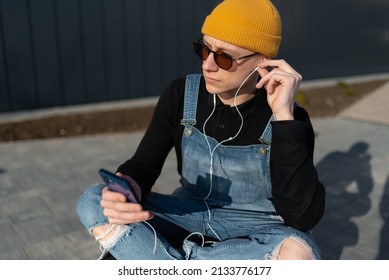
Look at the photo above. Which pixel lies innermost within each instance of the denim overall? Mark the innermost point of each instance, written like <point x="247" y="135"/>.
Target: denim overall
<point x="225" y="195"/>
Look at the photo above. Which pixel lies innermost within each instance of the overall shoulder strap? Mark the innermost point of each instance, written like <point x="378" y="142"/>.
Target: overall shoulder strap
<point x="192" y="85"/>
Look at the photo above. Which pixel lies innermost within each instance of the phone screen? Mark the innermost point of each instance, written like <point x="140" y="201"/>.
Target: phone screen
<point x="118" y="184"/>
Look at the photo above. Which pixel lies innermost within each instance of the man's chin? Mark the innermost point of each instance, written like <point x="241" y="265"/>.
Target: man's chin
<point x="212" y="89"/>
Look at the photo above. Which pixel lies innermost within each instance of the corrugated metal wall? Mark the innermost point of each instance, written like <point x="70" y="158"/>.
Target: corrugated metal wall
<point x="63" y="52"/>
<point x="332" y="38"/>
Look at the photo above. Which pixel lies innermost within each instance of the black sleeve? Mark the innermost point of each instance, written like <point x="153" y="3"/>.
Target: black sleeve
<point x="146" y="164"/>
<point x="298" y="195"/>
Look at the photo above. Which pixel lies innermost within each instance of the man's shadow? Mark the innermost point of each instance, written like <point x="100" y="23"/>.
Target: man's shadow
<point x="384" y="212"/>
<point x="347" y="178"/>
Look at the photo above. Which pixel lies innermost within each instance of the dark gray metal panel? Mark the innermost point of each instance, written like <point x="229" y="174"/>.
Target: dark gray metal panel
<point x="171" y="46"/>
<point x="70" y="52"/>
<point x="153" y="39"/>
<point x="45" y="53"/>
<point x="134" y="37"/>
<point x="19" y="50"/>
<point x="62" y="52"/>
<point x="5" y="92"/>
<point x="94" y="46"/>
<point x="115" y="48"/>
<point x="335" y="38"/>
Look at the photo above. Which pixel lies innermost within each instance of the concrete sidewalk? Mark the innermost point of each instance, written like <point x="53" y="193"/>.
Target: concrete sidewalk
<point x="40" y="182"/>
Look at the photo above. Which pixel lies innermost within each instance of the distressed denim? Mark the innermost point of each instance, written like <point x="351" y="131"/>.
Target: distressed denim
<point x="244" y="235"/>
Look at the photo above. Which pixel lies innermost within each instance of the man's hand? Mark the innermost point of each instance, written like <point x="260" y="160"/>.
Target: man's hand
<point x="282" y="84"/>
<point x="118" y="211"/>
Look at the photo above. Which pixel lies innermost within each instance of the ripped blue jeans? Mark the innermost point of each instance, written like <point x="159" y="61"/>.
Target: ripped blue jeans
<point x="225" y="234"/>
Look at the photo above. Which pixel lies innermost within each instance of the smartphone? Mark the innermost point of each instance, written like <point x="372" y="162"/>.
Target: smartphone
<point x="118" y="184"/>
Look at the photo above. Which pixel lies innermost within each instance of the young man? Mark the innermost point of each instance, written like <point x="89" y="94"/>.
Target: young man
<point x="249" y="188"/>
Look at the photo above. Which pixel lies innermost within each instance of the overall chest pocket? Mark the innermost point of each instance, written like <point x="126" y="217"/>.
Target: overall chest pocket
<point x="240" y="175"/>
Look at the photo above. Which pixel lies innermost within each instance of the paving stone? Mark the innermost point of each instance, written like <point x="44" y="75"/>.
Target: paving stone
<point x="18" y="254"/>
<point x="6" y="227"/>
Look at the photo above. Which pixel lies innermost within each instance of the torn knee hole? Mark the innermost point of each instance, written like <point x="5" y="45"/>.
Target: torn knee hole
<point x="293" y="248"/>
<point x="108" y="234"/>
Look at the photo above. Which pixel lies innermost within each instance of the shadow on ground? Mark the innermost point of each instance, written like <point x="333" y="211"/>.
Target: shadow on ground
<point x="348" y="181"/>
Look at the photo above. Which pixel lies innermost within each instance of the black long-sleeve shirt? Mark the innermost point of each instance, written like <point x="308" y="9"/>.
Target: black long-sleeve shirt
<point x="298" y="195"/>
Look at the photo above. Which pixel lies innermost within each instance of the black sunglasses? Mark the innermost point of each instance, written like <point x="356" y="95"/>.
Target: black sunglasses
<point x="222" y="59"/>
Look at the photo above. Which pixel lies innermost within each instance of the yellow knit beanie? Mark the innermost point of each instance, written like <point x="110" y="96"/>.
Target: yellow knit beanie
<point x="249" y="24"/>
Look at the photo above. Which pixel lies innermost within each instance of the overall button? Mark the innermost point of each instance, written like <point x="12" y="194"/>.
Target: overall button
<point x="262" y="151"/>
<point x="188" y="131"/>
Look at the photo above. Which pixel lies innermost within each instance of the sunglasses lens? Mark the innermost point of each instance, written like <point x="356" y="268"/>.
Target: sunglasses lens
<point x="200" y="50"/>
<point x="204" y="52"/>
<point x="223" y="60"/>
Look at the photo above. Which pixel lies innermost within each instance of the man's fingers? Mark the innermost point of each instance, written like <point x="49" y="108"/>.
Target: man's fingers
<point x="277" y="63"/>
<point x="113" y="196"/>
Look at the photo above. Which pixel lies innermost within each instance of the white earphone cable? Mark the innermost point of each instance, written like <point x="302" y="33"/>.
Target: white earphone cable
<point x="212" y="151"/>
